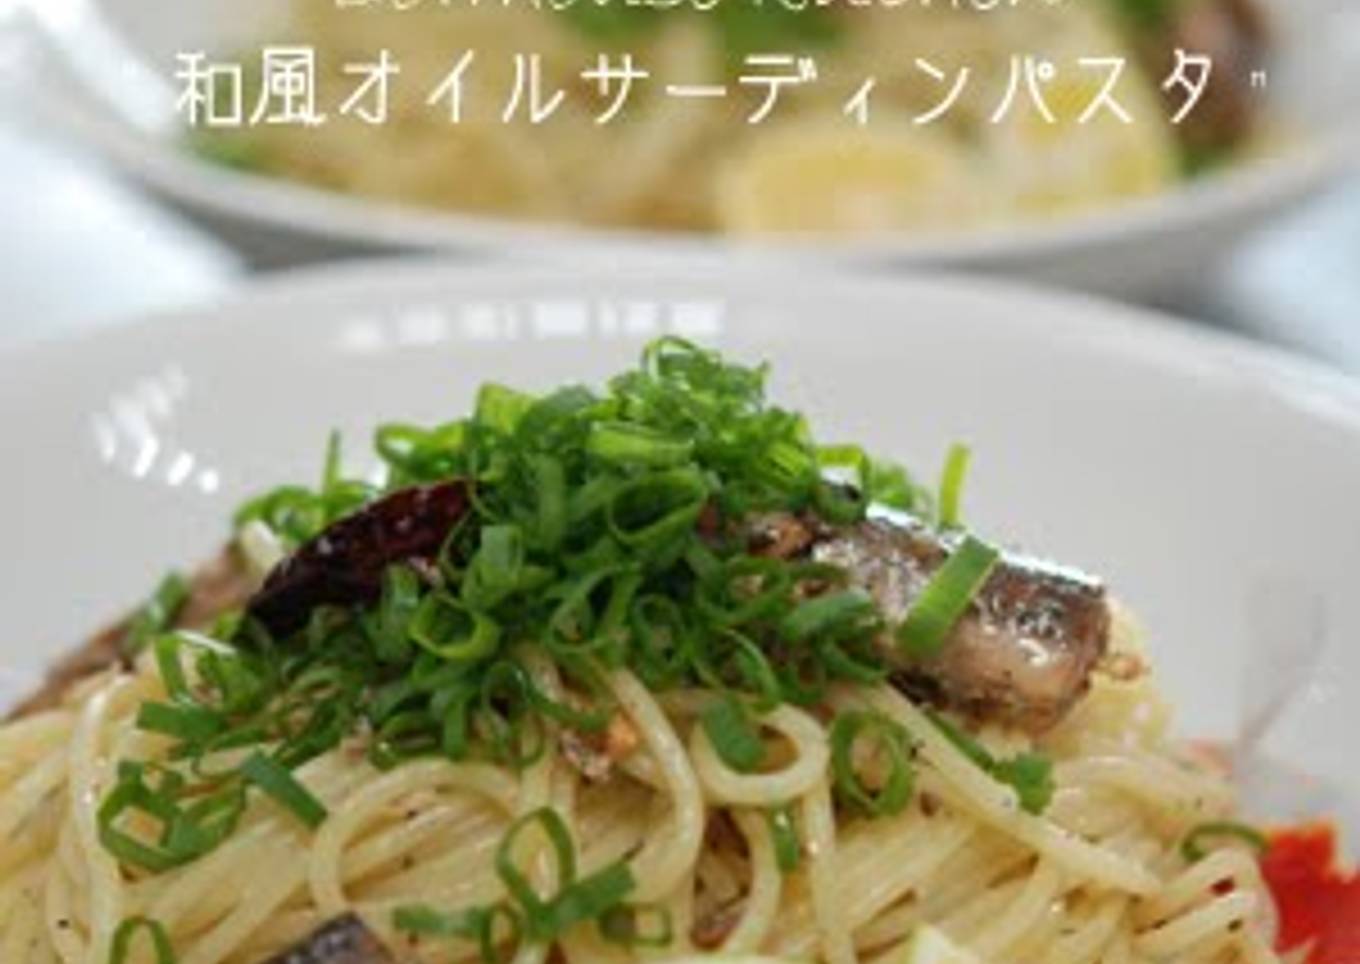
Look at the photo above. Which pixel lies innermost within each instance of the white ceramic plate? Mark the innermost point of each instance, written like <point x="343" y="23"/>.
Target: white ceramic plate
<point x="100" y="73"/>
<point x="1212" y="483"/>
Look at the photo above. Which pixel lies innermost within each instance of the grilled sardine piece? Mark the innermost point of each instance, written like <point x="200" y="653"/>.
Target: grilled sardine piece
<point x="1021" y="656"/>
<point x="1024" y="652"/>
<point x="344" y="940"/>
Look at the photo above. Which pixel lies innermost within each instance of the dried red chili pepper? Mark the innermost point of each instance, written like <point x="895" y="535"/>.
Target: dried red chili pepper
<point x="344" y="564"/>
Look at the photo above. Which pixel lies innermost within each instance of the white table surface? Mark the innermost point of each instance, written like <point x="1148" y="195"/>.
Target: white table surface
<point x="63" y="217"/>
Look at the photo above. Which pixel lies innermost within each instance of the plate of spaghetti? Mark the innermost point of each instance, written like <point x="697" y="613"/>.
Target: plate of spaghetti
<point x="572" y="619"/>
<point x="966" y="156"/>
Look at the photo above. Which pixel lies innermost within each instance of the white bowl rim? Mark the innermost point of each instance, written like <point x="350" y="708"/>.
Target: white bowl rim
<point x="1165" y="341"/>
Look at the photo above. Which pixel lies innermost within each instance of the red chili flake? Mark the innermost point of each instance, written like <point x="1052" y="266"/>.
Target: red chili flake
<point x="344" y="564"/>
<point x="1318" y="900"/>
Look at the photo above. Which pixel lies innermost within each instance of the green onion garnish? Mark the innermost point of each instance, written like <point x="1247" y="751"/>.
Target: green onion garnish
<point x="1194" y="847"/>
<point x="450" y="630"/>
<point x="521" y="891"/>
<point x="127" y="931"/>
<point x="638" y="925"/>
<point x="158" y="614"/>
<point x="733" y="734"/>
<point x="844" y="612"/>
<point x="529" y="915"/>
<point x="189" y="826"/>
<point x="788" y="850"/>
<point x="586" y="899"/>
<point x="1030" y="775"/>
<point x="477" y="924"/>
<point x="951" y="486"/>
<point x="628" y="444"/>
<point x="190" y="724"/>
<point x="890" y="745"/>
<point x="280" y="784"/>
<point x="575" y="900"/>
<point x="946" y="598"/>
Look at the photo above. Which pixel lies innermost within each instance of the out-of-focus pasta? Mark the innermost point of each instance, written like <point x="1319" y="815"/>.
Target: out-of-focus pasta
<point x="926" y="158"/>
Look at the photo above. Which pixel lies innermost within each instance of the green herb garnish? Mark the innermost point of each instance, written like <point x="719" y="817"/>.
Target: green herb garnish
<point x="1030" y="775"/>
<point x="276" y="780"/>
<point x="945" y="599"/>
<point x="949" y="515"/>
<point x="529" y="915"/>
<point x="890" y="745"/>
<point x="158" y="614"/>
<point x="733" y="734"/>
<point x="788" y="850"/>
<point x="1194" y="847"/>
<point x="128" y="930"/>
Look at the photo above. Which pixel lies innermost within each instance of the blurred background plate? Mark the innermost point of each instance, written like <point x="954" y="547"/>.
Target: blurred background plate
<point x="97" y="73"/>
<point x="1213" y="483"/>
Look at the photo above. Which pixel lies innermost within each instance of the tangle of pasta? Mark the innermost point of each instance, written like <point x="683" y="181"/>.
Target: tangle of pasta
<point x="696" y="164"/>
<point x="1097" y="878"/>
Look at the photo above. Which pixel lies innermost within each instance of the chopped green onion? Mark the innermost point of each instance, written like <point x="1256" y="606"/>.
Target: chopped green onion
<point x="657" y="507"/>
<point x="550" y="511"/>
<point x="946" y="598"/>
<point x="754" y="672"/>
<point x="522" y="892"/>
<point x="497" y="569"/>
<point x="733" y="734"/>
<point x="572" y="624"/>
<point x="397" y="608"/>
<point x="868" y="668"/>
<point x="625" y="443"/>
<point x="330" y="470"/>
<point x="627" y="925"/>
<point x="1030" y="775"/>
<point x="892" y="742"/>
<point x="788" y="850"/>
<point x="186" y="832"/>
<point x="280" y="784"/>
<point x="191" y="724"/>
<point x="501" y="408"/>
<point x="515" y="735"/>
<point x="1194" y="848"/>
<point x="803" y="677"/>
<point x="585" y="899"/>
<point x="450" y="630"/>
<point x="889" y="485"/>
<point x="951" y="486"/>
<point x="121" y="948"/>
<point x="835" y="613"/>
<point x="661" y="639"/>
<point x="475" y="924"/>
<point x="158" y="614"/>
<point x="591" y="721"/>
<point x="744" y="589"/>
<point x="166" y="650"/>
<point x="546" y="918"/>
<point x="419" y="919"/>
